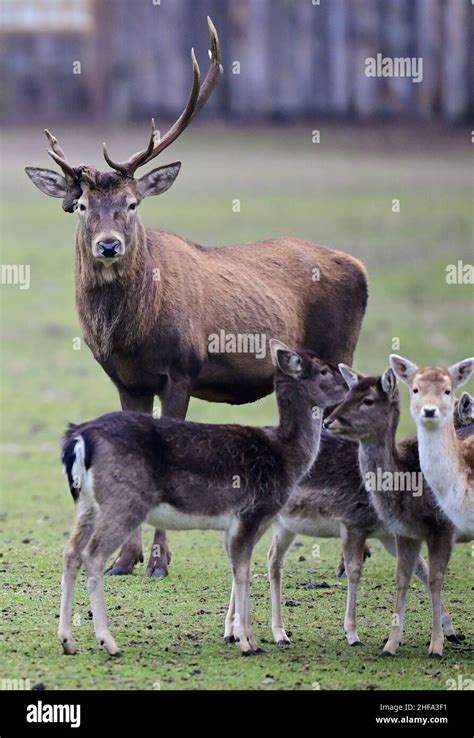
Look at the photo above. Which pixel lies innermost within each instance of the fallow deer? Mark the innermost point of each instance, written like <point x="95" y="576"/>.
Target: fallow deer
<point x="332" y="502"/>
<point x="127" y="467"/>
<point x="149" y="301"/>
<point x="401" y="497"/>
<point x="447" y="461"/>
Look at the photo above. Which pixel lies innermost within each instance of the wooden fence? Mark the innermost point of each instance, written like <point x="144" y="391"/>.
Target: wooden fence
<point x="283" y="59"/>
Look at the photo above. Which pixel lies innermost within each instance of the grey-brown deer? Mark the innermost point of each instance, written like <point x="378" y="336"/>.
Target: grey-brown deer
<point x="126" y="467"/>
<point x="332" y="502"/>
<point x="402" y="498"/>
<point x="149" y="300"/>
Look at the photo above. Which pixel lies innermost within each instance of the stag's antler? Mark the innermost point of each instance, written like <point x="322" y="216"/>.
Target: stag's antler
<point x="198" y="97"/>
<point x="57" y="153"/>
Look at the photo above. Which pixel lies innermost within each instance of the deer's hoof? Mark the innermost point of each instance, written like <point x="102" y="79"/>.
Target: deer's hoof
<point x="357" y="643"/>
<point x="456" y="638"/>
<point x="434" y="655"/>
<point x="386" y="654"/>
<point x="158" y="571"/>
<point x="116" y="570"/>
<point x="282" y="642"/>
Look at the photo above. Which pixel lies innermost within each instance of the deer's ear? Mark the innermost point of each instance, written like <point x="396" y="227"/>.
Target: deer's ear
<point x="288" y="361"/>
<point x="351" y="377"/>
<point x="461" y="372"/>
<point x="389" y="381"/>
<point x="465" y="408"/>
<point x="49" y="182"/>
<point x="158" y="180"/>
<point x="405" y="370"/>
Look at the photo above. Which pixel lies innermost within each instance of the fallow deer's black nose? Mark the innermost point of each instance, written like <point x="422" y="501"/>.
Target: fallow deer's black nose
<point x="327" y="424"/>
<point x="109" y="248"/>
<point x="429" y="412"/>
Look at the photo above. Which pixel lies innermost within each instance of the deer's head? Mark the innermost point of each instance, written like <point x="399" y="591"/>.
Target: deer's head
<point x="303" y="370"/>
<point x="107" y="202"/>
<point x="370" y="407"/>
<point x="432" y="398"/>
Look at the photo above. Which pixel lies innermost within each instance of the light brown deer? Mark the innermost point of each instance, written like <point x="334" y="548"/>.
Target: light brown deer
<point x="149" y="300"/>
<point x="447" y="461"/>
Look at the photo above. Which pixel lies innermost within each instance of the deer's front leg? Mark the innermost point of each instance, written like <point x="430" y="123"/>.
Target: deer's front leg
<point x="407" y="557"/>
<point x="131" y="552"/>
<point x="174" y="404"/>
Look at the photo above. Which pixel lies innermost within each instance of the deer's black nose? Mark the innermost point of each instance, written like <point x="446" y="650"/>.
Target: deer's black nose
<point x="109" y="248"/>
<point x="429" y="412"/>
<point x="327" y="423"/>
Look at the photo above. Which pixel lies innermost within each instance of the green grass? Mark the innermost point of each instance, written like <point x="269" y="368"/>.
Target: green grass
<point x="170" y="630"/>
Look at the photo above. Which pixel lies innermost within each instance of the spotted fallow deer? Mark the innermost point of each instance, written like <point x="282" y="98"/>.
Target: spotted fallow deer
<point x="447" y="461"/>
<point x="149" y="300"/>
<point x="125" y="468"/>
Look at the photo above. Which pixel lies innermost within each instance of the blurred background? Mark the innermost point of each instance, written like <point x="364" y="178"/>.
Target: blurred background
<point x="297" y="58"/>
<point x="380" y="167"/>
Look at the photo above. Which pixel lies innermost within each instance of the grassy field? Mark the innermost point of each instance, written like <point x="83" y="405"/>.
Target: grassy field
<point x="339" y="193"/>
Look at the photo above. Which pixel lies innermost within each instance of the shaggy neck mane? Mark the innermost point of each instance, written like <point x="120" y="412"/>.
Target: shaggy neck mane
<point x="115" y="303"/>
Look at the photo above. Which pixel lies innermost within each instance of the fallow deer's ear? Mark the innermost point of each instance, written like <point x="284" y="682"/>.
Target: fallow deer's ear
<point x="158" y="180"/>
<point x="465" y="409"/>
<point x="288" y="361"/>
<point x="389" y="381"/>
<point x="351" y="377"/>
<point x="49" y="182"/>
<point x="461" y="372"/>
<point x="405" y="370"/>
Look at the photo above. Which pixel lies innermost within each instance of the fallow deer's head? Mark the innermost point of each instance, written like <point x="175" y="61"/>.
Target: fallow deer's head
<point x="432" y="398"/>
<point x="107" y="202"/>
<point x="370" y="406"/>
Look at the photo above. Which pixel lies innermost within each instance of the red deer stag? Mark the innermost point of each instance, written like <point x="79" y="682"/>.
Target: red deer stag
<point x="150" y="302"/>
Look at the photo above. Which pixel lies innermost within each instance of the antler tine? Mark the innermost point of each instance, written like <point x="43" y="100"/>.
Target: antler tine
<point x="215" y="70"/>
<point x="198" y="97"/>
<point x="57" y="153"/>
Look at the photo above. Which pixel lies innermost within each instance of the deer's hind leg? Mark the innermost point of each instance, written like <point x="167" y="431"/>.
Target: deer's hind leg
<point x="72" y="563"/>
<point x="109" y="533"/>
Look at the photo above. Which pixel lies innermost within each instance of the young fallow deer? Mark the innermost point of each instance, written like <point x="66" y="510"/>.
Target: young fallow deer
<point x="125" y="468"/>
<point x="149" y="301"/>
<point x="401" y="497"/>
<point x="332" y="502"/>
<point x="447" y="461"/>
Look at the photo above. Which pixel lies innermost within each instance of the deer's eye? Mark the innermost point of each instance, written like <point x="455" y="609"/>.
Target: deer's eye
<point x="132" y="206"/>
<point x="81" y="207"/>
<point x="323" y="372"/>
<point x="415" y="391"/>
<point x="368" y="401"/>
<point x="447" y="392"/>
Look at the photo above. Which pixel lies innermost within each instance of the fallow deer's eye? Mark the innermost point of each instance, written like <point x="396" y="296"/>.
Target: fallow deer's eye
<point x="132" y="206"/>
<point x="415" y="391"/>
<point x="323" y="372"/>
<point x="368" y="401"/>
<point x="81" y="207"/>
<point x="447" y="392"/>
